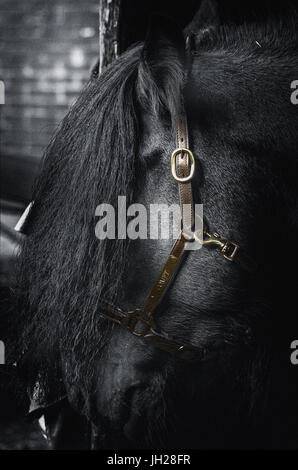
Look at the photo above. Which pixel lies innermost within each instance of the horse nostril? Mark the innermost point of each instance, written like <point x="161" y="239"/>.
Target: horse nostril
<point x="129" y="400"/>
<point x="135" y="424"/>
<point x="116" y="408"/>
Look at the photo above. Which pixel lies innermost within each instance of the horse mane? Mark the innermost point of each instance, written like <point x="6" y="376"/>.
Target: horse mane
<point x="268" y="32"/>
<point x="63" y="269"/>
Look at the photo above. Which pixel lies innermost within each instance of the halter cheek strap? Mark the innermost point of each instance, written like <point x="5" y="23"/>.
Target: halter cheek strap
<point x="183" y="169"/>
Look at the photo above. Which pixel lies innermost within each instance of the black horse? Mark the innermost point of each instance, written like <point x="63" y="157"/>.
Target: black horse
<point x="98" y="386"/>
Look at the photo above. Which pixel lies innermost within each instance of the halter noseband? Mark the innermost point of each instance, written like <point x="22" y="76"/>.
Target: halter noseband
<point x="140" y="322"/>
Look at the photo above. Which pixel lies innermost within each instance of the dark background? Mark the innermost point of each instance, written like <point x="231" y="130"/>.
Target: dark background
<point x="47" y="51"/>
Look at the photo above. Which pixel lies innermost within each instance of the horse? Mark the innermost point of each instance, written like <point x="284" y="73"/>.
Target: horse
<point x="95" y="384"/>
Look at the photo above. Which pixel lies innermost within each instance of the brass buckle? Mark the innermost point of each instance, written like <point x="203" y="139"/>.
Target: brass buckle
<point x="131" y="321"/>
<point x="189" y="177"/>
<point x="229" y="250"/>
<point x="213" y="239"/>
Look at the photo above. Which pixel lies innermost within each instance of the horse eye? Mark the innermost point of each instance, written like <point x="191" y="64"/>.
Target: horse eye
<point x="153" y="159"/>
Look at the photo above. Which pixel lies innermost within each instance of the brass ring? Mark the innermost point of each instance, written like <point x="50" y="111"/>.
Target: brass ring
<point x="189" y="177"/>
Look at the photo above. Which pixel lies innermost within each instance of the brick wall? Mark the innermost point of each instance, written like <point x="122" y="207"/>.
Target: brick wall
<point x="47" y="51"/>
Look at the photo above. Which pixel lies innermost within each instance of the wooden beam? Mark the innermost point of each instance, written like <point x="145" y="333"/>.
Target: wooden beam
<point x="108" y="26"/>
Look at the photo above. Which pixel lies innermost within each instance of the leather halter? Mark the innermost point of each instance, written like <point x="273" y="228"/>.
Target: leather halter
<point x="140" y="322"/>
